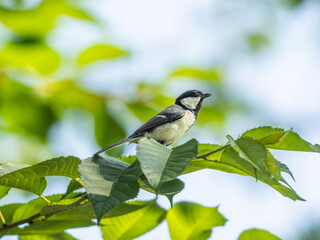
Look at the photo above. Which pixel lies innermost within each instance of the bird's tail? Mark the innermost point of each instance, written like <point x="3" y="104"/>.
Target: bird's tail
<point x="113" y="145"/>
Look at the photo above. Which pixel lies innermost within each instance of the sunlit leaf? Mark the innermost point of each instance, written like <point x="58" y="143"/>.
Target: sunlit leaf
<point x="232" y="158"/>
<point x="37" y="56"/>
<point x="251" y="150"/>
<point x="278" y="138"/>
<point x="36" y="22"/>
<point x="100" y="52"/>
<point x="254" y="234"/>
<point x="32" y="207"/>
<point x="204" y="74"/>
<point x="6" y="168"/>
<point x="60" y="236"/>
<point x="8" y="212"/>
<point x="32" y="178"/>
<point x="134" y="224"/>
<point x="192" y="221"/>
<point x="273" y="166"/>
<point x="161" y="164"/>
<point x="51" y="227"/>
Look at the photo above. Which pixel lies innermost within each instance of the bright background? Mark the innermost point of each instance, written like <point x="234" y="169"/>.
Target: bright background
<point x="260" y="59"/>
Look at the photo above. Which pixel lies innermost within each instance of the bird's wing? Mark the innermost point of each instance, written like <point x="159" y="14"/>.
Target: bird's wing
<point x="170" y="114"/>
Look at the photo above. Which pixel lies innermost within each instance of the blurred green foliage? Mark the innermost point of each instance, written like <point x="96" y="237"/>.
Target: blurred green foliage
<point x="35" y="93"/>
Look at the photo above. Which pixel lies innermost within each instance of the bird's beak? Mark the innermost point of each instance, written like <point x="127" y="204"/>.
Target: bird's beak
<point x="206" y="95"/>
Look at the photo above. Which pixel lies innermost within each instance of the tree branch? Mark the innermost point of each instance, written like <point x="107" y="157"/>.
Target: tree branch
<point x="7" y="227"/>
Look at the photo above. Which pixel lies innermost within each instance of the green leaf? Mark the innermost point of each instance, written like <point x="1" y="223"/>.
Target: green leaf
<point x="100" y="52"/>
<point x="254" y="234"/>
<point x="232" y="158"/>
<point x="85" y="211"/>
<point x="278" y="138"/>
<point x="4" y="191"/>
<point x="109" y="182"/>
<point x="6" y="168"/>
<point x="50" y="227"/>
<point x="60" y="236"/>
<point x="32" y="207"/>
<point x="284" y="168"/>
<point x="213" y="75"/>
<point x="161" y="164"/>
<point x="99" y="174"/>
<point x="192" y="221"/>
<point x="273" y="166"/>
<point x="73" y="186"/>
<point x="169" y="189"/>
<point x="32" y="178"/>
<point x="251" y="150"/>
<point x="8" y="211"/>
<point x="37" y="56"/>
<point x="36" y="22"/>
<point x="134" y="224"/>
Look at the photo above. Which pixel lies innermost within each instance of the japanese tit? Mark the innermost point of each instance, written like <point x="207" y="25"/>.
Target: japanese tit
<point x="171" y="123"/>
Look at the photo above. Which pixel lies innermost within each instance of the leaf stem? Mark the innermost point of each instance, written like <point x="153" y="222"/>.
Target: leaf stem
<point x="214" y="151"/>
<point x="45" y="199"/>
<point x="2" y="218"/>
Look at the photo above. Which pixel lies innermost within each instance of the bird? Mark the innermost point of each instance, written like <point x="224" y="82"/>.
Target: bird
<point x="171" y="123"/>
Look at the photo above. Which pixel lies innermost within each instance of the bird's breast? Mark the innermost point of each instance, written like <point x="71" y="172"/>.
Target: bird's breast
<point x="170" y="132"/>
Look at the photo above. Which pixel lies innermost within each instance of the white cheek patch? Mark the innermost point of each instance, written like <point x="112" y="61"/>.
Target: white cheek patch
<point x="190" y="102"/>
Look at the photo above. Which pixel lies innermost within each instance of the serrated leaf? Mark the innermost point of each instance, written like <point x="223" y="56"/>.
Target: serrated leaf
<point x="254" y="234"/>
<point x="251" y="150"/>
<point x="161" y="164"/>
<point x="100" y="52"/>
<point x="109" y="182"/>
<point x="285" y="169"/>
<point x="6" y="168"/>
<point x="4" y="191"/>
<point x="99" y="174"/>
<point x="32" y="178"/>
<point x="60" y="236"/>
<point x="278" y="138"/>
<point x="273" y="166"/>
<point x="192" y="221"/>
<point x="134" y="224"/>
<point x="169" y="189"/>
<point x="232" y="158"/>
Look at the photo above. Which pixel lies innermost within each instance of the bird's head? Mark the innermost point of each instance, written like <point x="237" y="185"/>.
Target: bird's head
<point x="192" y="100"/>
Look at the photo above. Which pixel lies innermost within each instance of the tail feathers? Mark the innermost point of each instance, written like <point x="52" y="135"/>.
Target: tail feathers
<point x="113" y="145"/>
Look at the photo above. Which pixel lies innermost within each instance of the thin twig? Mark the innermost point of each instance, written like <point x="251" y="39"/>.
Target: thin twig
<point x="212" y="152"/>
<point x="30" y="219"/>
<point x="23" y="221"/>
